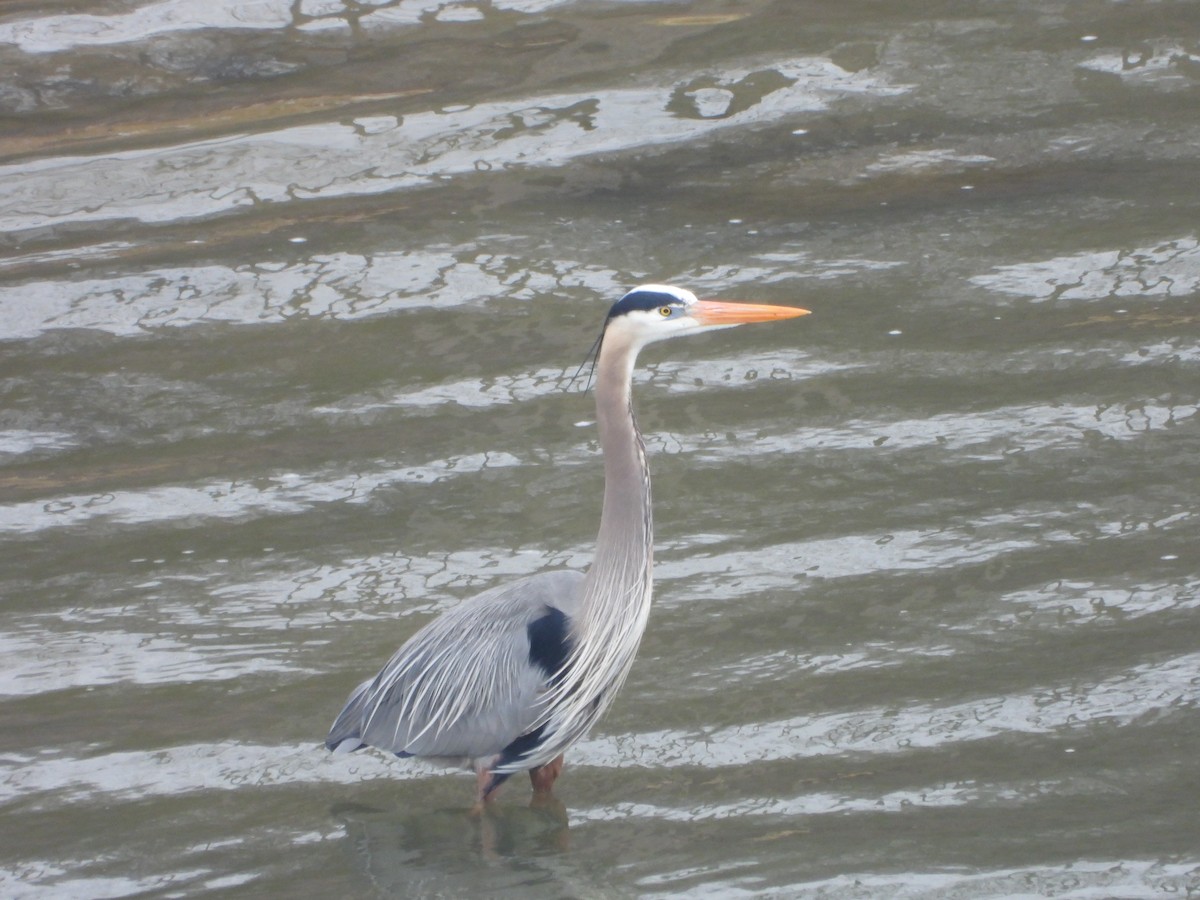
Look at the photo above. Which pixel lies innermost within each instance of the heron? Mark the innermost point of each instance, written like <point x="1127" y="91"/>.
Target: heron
<point x="508" y="680"/>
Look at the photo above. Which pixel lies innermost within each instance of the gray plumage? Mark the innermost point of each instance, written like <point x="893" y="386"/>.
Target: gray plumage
<point x="434" y="701"/>
<point x="511" y="678"/>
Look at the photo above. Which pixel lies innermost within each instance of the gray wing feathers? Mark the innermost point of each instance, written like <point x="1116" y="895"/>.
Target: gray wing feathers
<point x="463" y="686"/>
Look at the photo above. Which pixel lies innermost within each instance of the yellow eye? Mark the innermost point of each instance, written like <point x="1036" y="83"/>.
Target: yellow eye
<point x="664" y="311"/>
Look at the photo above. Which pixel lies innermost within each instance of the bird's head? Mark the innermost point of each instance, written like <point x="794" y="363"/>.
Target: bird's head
<point x="654" y="312"/>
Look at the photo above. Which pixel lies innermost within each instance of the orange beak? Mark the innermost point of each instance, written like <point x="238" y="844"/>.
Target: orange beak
<point x="716" y="312"/>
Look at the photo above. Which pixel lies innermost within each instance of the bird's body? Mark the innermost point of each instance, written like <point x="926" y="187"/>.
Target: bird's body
<point x="518" y="633"/>
<point x="509" y="679"/>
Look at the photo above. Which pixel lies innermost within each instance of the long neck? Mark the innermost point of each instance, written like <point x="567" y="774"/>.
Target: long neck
<point x="608" y="626"/>
<point x="619" y="579"/>
<point x="616" y="592"/>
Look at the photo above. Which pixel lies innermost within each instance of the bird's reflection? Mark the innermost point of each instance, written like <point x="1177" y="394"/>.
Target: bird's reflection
<point x="453" y="852"/>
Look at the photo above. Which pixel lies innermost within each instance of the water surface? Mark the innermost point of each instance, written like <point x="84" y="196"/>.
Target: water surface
<point x="290" y="297"/>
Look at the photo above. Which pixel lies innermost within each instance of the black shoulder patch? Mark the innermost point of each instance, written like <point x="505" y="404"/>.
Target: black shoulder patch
<point x="642" y="300"/>
<point x="549" y="641"/>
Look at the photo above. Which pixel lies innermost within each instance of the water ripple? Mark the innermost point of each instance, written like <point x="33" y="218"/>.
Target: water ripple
<point x="287" y="493"/>
<point x="170" y="771"/>
<point x="1117" y="702"/>
<point x="1086" y="879"/>
<point x="1163" y="64"/>
<point x="1169" y="269"/>
<point x="1173" y="685"/>
<point x="56" y="33"/>
<point x="338" y="160"/>
<point x="42" y="661"/>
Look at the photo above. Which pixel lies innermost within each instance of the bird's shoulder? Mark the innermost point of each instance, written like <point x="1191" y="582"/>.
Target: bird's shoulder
<point x="518" y="602"/>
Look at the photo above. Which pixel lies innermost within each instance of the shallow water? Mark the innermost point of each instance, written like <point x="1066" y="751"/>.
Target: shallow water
<point x="290" y="297"/>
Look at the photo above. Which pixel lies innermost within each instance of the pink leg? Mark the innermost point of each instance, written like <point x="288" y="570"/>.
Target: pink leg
<point x="483" y="776"/>
<point x="543" y="778"/>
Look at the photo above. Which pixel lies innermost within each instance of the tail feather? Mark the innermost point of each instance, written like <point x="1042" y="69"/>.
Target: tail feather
<point x="345" y="735"/>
